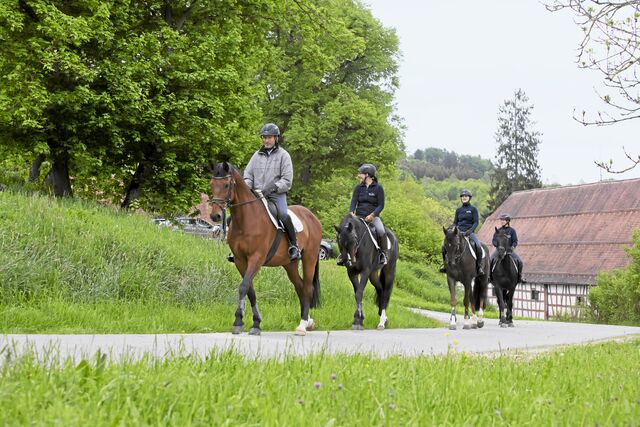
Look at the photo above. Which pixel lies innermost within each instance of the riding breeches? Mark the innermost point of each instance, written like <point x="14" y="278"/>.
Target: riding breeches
<point x="280" y="200"/>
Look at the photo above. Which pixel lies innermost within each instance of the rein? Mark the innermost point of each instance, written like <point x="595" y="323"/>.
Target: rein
<point x="226" y="201"/>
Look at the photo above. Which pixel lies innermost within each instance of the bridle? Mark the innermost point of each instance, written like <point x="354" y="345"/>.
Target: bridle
<point x="225" y="203"/>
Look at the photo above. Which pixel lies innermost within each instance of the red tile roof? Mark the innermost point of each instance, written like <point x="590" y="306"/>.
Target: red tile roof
<point x="569" y="234"/>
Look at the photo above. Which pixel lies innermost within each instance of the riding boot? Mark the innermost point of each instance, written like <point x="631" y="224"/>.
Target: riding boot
<point x="443" y="269"/>
<point x="383" y="258"/>
<point x="294" y="251"/>
<point x="479" y="263"/>
<point x="520" y="272"/>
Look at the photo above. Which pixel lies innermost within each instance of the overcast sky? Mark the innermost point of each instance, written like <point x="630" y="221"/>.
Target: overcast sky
<point x="463" y="59"/>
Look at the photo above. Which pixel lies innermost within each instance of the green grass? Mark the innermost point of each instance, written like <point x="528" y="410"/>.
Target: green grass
<point x="559" y="388"/>
<point x="76" y="267"/>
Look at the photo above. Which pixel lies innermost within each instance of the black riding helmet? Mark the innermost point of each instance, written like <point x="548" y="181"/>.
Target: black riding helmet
<point x="367" y="168"/>
<point x="506" y="217"/>
<point x="270" y="129"/>
<point x="466" y="193"/>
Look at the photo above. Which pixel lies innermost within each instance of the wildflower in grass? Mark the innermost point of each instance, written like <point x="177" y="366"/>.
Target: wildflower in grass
<point x="317" y="384"/>
<point x="498" y="412"/>
<point x="301" y="401"/>
<point x="446" y="334"/>
<point x="456" y="343"/>
<point x="333" y="376"/>
<point x="392" y="406"/>
<point x="339" y="386"/>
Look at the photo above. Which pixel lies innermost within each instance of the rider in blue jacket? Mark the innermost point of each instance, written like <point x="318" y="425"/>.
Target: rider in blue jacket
<point x="466" y="219"/>
<point x="507" y="229"/>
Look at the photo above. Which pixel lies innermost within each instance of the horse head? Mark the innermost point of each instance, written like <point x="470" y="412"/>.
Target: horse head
<point x="347" y="238"/>
<point x="454" y="240"/>
<point x="223" y="183"/>
<point x="504" y="242"/>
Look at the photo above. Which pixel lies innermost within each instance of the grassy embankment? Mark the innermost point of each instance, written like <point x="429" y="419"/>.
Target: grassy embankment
<point x="75" y="267"/>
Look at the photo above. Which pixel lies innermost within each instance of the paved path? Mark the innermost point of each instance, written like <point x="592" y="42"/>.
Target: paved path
<point x="525" y="336"/>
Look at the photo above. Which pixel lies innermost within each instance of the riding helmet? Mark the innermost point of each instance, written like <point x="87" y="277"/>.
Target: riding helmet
<point x="270" y="129"/>
<point x="466" y="193"/>
<point x="506" y="217"/>
<point x="367" y="168"/>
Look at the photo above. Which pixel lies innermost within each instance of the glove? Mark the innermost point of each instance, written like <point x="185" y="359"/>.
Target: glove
<point x="270" y="188"/>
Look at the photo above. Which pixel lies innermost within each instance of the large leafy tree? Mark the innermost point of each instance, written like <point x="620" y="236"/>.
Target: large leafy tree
<point x="139" y="94"/>
<point x="517" y="154"/>
<point x="611" y="46"/>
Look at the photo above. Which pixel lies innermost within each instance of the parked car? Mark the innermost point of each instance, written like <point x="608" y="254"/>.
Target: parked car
<point x="189" y="225"/>
<point x="326" y="250"/>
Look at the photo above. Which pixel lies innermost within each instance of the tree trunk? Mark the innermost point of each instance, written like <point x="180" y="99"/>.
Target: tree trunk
<point x="59" y="175"/>
<point x="134" y="189"/>
<point x="34" y="172"/>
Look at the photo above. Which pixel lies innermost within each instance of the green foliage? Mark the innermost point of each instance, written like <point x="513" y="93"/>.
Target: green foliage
<point x="223" y="388"/>
<point x="616" y="298"/>
<point x="517" y="165"/>
<point x="447" y="192"/>
<point x="441" y="164"/>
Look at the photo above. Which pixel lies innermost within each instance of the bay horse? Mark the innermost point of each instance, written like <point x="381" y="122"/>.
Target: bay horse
<point x="254" y="242"/>
<point x="461" y="268"/>
<point x="504" y="277"/>
<point x="360" y="256"/>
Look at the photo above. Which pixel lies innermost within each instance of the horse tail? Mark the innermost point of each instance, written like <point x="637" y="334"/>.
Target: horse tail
<point x="315" y="297"/>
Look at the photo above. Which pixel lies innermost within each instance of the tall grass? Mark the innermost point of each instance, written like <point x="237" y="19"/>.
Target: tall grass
<point x="343" y="390"/>
<point x="74" y="266"/>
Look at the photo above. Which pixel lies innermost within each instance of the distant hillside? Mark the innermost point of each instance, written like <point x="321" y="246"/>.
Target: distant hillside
<point x="441" y="164"/>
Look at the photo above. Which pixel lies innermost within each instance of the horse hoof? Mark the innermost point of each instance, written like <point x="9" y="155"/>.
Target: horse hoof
<point x="480" y="324"/>
<point x="300" y="332"/>
<point x="311" y="326"/>
<point x="357" y="327"/>
<point x="380" y="327"/>
<point x="255" y="331"/>
<point x="237" y="330"/>
<point x="503" y="325"/>
<point x="452" y="327"/>
<point x="510" y="324"/>
<point x="466" y="327"/>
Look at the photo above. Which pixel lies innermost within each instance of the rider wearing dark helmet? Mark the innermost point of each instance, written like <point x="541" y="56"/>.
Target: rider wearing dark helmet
<point x="367" y="202"/>
<point x="466" y="219"/>
<point x="506" y="228"/>
<point x="270" y="171"/>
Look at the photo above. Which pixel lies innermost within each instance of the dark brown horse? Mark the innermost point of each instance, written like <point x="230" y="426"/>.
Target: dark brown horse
<point x="251" y="237"/>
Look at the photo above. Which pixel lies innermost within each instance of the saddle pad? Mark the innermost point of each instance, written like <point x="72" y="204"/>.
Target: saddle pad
<point x="373" y="238"/>
<point x="297" y="224"/>
<point x="473" y="252"/>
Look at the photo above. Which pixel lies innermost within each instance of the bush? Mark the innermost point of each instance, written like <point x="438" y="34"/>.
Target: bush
<point x="616" y="298"/>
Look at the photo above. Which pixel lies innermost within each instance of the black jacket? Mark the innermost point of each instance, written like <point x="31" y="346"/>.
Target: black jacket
<point x="510" y="231"/>
<point x="466" y="218"/>
<point x="367" y="200"/>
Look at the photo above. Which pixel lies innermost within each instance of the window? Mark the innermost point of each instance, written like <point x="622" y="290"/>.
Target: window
<point x="535" y="294"/>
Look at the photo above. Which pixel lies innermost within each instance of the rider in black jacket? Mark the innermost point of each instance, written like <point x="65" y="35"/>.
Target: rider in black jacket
<point x="466" y="219"/>
<point x="507" y="229"/>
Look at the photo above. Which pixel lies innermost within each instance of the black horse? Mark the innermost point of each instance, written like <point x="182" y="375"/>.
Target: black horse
<point x="504" y="277"/>
<point x="362" y="262"/>
<point x="461" y="268"/>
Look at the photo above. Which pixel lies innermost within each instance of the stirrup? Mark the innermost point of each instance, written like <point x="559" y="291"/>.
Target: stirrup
<point x="230" y="258"/>
<point x="339" y="261"/>
<point x="382" y="258"/>
<point x="442" y="269"/>
<point x="294" y="253"/>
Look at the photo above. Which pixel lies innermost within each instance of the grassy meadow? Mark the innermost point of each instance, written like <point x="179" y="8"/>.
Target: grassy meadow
<point x="591" y="385"/>
<point x="77" y="267"/>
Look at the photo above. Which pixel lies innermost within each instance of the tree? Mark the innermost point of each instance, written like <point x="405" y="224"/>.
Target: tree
<point x="611" y="45"/>
<point x="517" y="156"/>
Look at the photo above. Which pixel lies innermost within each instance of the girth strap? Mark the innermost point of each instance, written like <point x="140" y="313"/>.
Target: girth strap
<point x="274" y="246"/>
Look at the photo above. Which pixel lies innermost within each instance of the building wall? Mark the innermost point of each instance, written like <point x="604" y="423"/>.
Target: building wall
<point x="546" y="301"/>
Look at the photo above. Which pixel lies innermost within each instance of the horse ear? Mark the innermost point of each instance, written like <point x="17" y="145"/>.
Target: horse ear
<point x="496" y="229"/>
<point x="337" y="229"/>
<point x="455" y="230"/>
<point x="225" y="166"/>
<point x="444" y="230"/>
<point x="349" y="226"/>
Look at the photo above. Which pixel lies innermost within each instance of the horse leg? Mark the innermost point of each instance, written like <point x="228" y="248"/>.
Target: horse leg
<point x="452" y="291"/>
<point x="248" y="270"/>
<point x="304" y="295"/>
<point x="374" y="278"/>
<point x="501" y="306"/>
<point x="467" y="300"/>
<point x="359" y="282"/>
<point x="510" y="308"/>
<point x="257" y="317"/>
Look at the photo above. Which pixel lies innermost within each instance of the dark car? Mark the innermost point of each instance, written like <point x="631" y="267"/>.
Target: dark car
<point x="326" y="250"/>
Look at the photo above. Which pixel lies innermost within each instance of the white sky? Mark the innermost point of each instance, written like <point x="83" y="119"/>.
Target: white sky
<point x="461" y="61"/>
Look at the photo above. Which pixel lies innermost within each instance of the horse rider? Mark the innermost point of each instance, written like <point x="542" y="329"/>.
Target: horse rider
<point x="367" y="202"/>
<point x="466" y="219"/>
<point x="270" y="171"/>
<point x="506" y="228"/>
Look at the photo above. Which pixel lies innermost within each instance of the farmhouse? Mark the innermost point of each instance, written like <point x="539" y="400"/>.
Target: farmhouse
<point x="567" y="236"/>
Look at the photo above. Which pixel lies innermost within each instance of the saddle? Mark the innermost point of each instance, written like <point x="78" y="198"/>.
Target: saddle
<point x="373" y="234"/>
<point x="272" y="211"/>
<point x="472" y="245"/>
